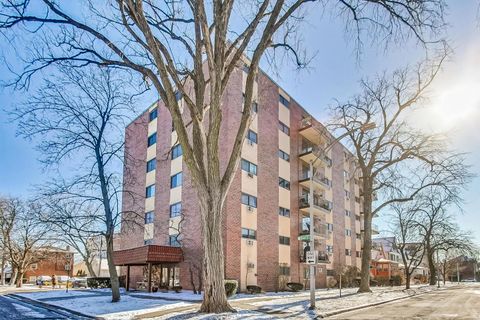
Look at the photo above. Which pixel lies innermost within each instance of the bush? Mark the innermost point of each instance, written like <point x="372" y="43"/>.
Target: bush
<point x="382" y="281"/>
<point x="254" y="289"/>
<point x="177" y="289"/>
<point x="99" y="282"/>
<point x="231" y="287"/>
<point x="295" y="286"/>
<point x="397" y="280"/>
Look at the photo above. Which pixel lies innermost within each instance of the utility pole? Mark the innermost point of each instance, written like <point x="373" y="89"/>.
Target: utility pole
<point x="438" y="270"/>
<point x="475" y="270"/>
<point x="458" y="274"/>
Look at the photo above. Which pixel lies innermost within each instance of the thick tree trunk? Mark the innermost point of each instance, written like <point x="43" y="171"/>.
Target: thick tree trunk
<point x="112" y="270"/>
<point x="88" y="264"/>
<point x="13" y="278"/>
<point x="407" y="280"/>
<point x="367" y="237"/>
<point x="3" y="269"/>
<point x="20" y="278"/>
<point x="214" y="297"/>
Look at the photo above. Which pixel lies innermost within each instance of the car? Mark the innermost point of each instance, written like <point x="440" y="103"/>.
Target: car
<point x="43" y="280"/>
<point x="79" y="282"/>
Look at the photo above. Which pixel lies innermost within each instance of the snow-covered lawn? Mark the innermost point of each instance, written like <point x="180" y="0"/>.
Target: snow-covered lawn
<point x="182" y="305"/>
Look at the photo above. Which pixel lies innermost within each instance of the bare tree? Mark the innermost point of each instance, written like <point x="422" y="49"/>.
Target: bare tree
<point x="81" y="114"/>
<point x="396" y="162"/>
<point x="193" y="48"/>
<point x="408" y="239"/>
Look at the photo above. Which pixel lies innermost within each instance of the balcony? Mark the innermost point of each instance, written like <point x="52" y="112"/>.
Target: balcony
<point x="319" y="181"/>
<point x="311" y="132"/>
<point x="311" y="154"/>
<point x="320" y="205"/>
<point x="319" y="229"/>
<point x="322" y="257"/>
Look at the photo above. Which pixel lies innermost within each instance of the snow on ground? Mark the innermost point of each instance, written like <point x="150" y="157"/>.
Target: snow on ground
<point x="179" y="305"/>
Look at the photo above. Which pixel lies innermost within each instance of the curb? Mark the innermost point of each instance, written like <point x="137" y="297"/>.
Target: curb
<point x="364" y="306"/>
<point x="50" y="307"/>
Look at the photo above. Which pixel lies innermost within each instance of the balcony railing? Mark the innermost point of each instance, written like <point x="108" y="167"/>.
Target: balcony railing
<point x="319" y="153"/>
<point x="319" y="179"/>
<point x="319" y="228"/>
<point x="318" y="203"/>
<point x="322" y="257"/>
<point x="306" y="122"/>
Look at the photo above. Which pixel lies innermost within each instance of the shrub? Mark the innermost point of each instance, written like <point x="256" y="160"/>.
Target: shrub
<point x="254" y="289"/>
<point x="99" y="282"/>
<point x="397" y="280"/>
<point x="382" y="281"/>
<point x="231" y="287"/>
<point x="177" y="289"/>
<point x="295" y="286"/>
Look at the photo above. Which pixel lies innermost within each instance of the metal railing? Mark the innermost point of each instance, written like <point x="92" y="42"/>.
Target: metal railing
<point x="319" y="203"/>
<point x="319" y="179"/>
<point x="319" y="153"/>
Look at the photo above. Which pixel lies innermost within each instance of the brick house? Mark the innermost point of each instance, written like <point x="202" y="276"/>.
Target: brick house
<point x="53" y="261"/>
<point x="266" y="219"/>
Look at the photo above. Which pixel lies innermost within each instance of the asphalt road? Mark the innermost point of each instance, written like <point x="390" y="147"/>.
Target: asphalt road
<point x="453" y="303"/>
<point x="14" y="309"/>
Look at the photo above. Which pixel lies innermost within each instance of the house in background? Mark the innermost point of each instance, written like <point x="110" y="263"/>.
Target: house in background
<point x="98" y="250"/>
<point x="53" y="261"/>
<point x="386" y="259"/>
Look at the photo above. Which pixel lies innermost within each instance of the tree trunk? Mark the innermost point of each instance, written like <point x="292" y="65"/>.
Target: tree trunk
<point x="367" y="237"/>
<point x="407" y="280"/>
<point x="88" y="264"/>
<point x="20" y="278"/>
<point x="432" y="268"/>
<point x="112" y="270"/>
<point x="214" y="297"/>
<point x="14" y="276"/>
<point x="3" y="269"/>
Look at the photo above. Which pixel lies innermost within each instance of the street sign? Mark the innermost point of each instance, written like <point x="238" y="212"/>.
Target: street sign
<point x="311" y="257"/>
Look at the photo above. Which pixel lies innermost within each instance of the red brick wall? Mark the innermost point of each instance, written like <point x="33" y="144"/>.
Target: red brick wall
<point x="53" y="263"/>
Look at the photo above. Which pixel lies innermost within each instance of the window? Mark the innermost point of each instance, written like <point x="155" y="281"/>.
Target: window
<point x="346" y="174"/>
<point x="249" y="200"/>
<point x="249" y="234"/>
<point x="330" y="227"/>
<point x="152" y="139"/>
<point x="348" y="252"/>
<point x="347" y="194"/>
<point x="357" y="199"/>
<point x="153" y="114"/>
<point x="176" y="151"/>
<point x="284" y="212"/>
<point x="284" y="183"/>
<point x="149" y="217"/>
<point x="348" y="232"/>
<point x="252" y="136"/>
<point x="357" y="217"/>
<point x="151" y="165"/>
<point x="150" y="191"/>
<point x="178" y="95"/>
<point x="359" y="254"/>
<point x="173" y="126"/>
<point x="348" y="213"/>
<point x="34" y="266"/>
<point x="246" y="68"/>
<point x="284" y="271"/>
<point x="359" y="236"/>
<point x="175" y="209"/>
<point x="284" y="101"/>
<point x="176" y="180"/>
<point x="148" y="242"/>
<point x="283" y="155"/>
<point x="255" y="107"/>
<point x="283" y="127"/>
<point x="249" y="167"/>
<point x="330" y="272"/>
<point x="284" y="240"/>
<point x="173" y="240"/>
<point x="329" y="249"/>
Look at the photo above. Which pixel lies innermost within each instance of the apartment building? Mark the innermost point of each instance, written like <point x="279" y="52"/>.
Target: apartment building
<point x="266" y="216"/>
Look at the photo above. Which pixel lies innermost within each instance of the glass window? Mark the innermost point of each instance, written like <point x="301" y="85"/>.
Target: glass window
<point x="149" y="217"/>
<point x="284" y="101"/>
<point x="176" y="180"/>
<point x="284" y="128"/>
<point x="359" y="254"/>
<point x="283" y="155"/>
<point x="329" y="249"/>
<point x="175" y="209"/>
<point x="348" y="213"/>
<point x="329" y="226"/>
<point x="148" y="242"/>
<point x="152" y="139"/>
<point x="249" y="167"/>
<point x="153" y="114"/>
<point x="347" y="194"/>
<point x="284" y="240"/>
<point x="284" y="212"/>
<point x="284" y="271"/>
<point x="176" y="151"/>
<point x="249" y="200"/>
<point x="150" y="191"/>
<point x="178" y="95"/>
<point x="255" y="107"/>
<point x="348" y="252"/>
<point x="249" y="234"/>
<point x="151" y="165"/>
<point x="359" y="236"/>
<point x="284" y="183"/>
<point x="173" y="240"/>
<point x="252" y="136"/>
<point x="348" y="232"/>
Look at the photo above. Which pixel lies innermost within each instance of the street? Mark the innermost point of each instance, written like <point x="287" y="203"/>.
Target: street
<point x="14" y="309"/>
<point x="453" y="303"/>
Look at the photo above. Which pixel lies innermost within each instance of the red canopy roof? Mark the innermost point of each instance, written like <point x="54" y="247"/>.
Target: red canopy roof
<point x="148" y="254"/>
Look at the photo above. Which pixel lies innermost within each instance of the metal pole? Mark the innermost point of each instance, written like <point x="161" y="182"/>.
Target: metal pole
<point x="312" y="242"/>
<point x="475" y="270"/>
<point x="341" y="284"/>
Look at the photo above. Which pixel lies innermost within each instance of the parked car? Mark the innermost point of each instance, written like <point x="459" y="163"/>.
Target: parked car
<point x="79" y="282"/>
<point x="43" y="281"/>
<point x="63" y="279"/>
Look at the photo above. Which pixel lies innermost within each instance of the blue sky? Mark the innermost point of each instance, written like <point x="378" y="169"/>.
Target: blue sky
<point x="334" y="73"/>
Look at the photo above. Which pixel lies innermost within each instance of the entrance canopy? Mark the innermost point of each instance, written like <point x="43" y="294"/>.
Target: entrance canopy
<point x="149" y="254"/>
